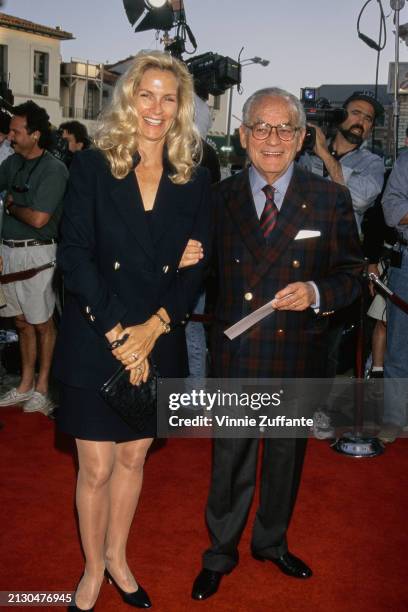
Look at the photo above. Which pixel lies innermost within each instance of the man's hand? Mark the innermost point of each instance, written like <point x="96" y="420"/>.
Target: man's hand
<point x="192" y="254"/>
<point x="320" y="148"/>
<point x="25" y="214"/>
<point x="295" y="296"/>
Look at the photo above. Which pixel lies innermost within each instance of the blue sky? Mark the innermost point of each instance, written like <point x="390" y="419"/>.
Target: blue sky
<point x="308" y="42"/>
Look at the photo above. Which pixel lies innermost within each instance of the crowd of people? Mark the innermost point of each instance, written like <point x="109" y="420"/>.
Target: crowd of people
<point x="133" y="225"/>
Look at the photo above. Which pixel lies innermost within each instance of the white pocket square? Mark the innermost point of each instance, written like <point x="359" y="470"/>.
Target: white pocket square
<point x="302" y="234"/>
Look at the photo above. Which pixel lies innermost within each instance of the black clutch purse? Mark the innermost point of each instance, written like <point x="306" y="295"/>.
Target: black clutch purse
<point x="134" y="404"/>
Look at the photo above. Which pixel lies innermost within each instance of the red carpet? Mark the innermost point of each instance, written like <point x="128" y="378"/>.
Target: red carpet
<point x="350" y="524"/>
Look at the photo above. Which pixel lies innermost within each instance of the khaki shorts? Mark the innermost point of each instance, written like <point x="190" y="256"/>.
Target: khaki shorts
<point x="34" y="298"/>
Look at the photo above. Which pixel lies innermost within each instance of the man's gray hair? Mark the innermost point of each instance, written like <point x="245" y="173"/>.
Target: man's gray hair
<point x="275" y="92"/>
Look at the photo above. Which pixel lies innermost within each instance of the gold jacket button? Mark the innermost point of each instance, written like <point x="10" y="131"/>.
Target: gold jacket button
<point x="116" y="265"/>
<point x="88" y="309"/>
<point x="248" y="296"/>
<point x="280" y="331"/>
<point x="304" y="205"/>
<point x="92" y="318"/>
<point x="295" y="263"/>
<point x="166" y="269"/>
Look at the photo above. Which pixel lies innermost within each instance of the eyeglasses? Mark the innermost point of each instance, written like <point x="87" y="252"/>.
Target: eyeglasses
<point x="262" y="131"/>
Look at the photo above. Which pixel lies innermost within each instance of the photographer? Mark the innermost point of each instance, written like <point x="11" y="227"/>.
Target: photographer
<point x="345" y="159"/>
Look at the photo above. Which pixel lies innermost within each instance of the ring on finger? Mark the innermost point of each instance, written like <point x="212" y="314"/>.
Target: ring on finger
<point x="134" y="356"/>
<point x="139" y="369"/>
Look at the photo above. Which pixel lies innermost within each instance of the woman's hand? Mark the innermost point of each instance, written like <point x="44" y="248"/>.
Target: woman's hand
<point x="114" y="333"/>
<point x="192" y="254"/>
<point x="140" y="342"/>
<point x="140" y="373"/>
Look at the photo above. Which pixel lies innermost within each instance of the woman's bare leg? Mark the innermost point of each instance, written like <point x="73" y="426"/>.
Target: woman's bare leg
<point x="96" y="460"/>
<point x="125" y="486"/>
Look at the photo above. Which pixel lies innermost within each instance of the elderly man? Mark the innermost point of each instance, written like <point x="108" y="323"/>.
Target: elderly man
<point x="35" y="182"/>
<point x="264" y="252"/>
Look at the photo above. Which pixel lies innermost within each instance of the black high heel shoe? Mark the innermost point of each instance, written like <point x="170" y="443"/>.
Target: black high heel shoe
<point x="75" y="607"/>
<point x="137" y="599"/>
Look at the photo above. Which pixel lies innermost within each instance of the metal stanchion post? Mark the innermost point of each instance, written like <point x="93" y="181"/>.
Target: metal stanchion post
<point x="357" y="443"/>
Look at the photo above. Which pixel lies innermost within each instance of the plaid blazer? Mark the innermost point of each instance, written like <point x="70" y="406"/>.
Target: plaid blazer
<point x="251" y="271"/>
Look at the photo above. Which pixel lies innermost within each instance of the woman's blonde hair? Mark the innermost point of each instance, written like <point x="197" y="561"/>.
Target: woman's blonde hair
<point x="117" y="132"/>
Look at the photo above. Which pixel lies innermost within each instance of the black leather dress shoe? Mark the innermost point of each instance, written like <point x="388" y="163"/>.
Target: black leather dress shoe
<point x="289" y="565"/>
<point x="206" y="584"/>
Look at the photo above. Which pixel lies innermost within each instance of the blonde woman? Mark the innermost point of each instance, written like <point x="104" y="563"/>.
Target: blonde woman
<point x="131" y="207"/>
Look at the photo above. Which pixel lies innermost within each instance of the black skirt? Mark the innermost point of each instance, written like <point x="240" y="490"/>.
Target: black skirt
<point x="83" y="414"/>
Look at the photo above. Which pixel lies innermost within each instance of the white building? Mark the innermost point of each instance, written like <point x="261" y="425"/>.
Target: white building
<point x="84" y="87"/>
<point x="30" y="60"/>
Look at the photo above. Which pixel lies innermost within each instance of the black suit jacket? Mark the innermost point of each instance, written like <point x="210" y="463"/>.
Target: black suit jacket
<point x="117" y="267"/>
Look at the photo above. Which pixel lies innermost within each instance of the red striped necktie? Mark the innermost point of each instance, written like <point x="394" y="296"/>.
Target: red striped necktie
<point x="269" y="214"/>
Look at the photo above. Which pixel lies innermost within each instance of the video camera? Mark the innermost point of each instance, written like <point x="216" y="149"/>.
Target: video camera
<point x="216" y="73"/>
<point x="319" y="111"/>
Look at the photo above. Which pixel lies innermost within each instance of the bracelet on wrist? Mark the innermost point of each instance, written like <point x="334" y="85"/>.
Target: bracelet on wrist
<point x="165" y="326"/>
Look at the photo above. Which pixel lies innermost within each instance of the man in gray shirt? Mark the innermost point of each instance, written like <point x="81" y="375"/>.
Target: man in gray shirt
<point x="345" y="159"/>
<point x="395" y="206"/>
<point x="35" y="184"/>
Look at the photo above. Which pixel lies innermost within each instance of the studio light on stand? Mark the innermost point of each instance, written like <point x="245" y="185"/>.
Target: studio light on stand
<point x="149" y="14"/>
<point x="215" y="72"/>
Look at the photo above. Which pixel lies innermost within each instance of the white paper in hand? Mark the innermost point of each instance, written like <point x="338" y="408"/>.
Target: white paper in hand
<point x="241" y="326"/>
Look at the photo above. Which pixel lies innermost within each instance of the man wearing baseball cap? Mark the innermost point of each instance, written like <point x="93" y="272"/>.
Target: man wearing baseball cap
<point x="345" y="159"/>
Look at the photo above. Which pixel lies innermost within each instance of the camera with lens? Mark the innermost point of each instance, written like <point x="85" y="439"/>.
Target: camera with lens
<point x="319" y="111"/>
<point x="58" y="146"/>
